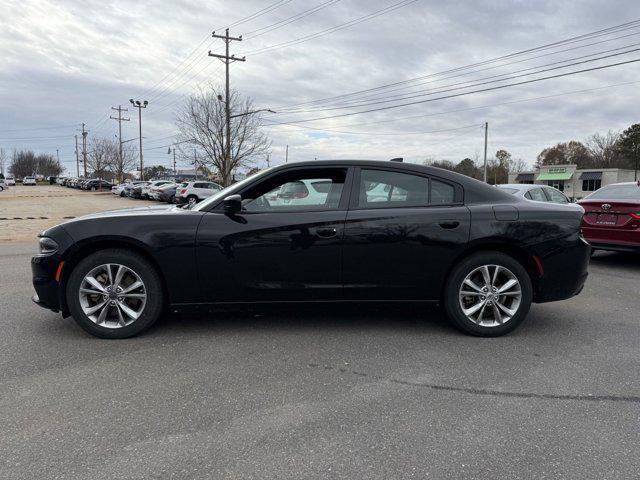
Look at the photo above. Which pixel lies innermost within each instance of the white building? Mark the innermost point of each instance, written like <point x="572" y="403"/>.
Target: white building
<point x="575" y="183"/>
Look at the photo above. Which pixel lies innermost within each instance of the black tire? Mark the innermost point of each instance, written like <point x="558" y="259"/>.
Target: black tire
<point x="172" y="199"/>
<point x="142" y="267"/>
<point x="192" y="199"/>
<point x="456" y="278"/>
<point x="122" y="193"/>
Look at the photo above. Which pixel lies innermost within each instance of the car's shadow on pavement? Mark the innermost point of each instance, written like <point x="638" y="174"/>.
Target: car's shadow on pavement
<point x="415" y="318"/>
<point x="624" y="261"/>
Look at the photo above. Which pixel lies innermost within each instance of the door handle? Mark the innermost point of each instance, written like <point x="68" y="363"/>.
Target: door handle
<point x="449" y="224"/>
<point x="326" y="232"/>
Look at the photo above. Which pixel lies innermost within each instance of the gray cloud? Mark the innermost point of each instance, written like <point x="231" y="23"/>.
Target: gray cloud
<point x="68" y="62"/>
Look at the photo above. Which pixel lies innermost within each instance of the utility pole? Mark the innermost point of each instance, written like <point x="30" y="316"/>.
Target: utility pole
<point x="58" y="154"/>
<point x="227" y="59"/>
<point x="77" y="158"/>
<point x="84" y="149"/>
<point x="140" y="105"/>
<point x="175" y="172"/>
<point x="195" y="162"/>
<point x="120" y="119"/>
<point x="286" y="155"/>
<point x="268" y="162"/>
<point x="486" y="134"/>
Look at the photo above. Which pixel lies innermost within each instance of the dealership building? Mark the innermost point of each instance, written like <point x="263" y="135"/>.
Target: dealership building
<point x="575" y="183"/>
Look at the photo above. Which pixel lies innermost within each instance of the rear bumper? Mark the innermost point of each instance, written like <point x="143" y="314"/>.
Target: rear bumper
<point x="565" y="271"/>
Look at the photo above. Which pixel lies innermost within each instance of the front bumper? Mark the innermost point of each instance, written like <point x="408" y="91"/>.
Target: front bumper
<point x="43" y="269"/>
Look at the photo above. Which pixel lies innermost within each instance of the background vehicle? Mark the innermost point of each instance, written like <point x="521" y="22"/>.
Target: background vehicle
<point x="612" y="217"/>
<point x="536" y="193"/>
<point x="154" y="183"/>
<point x="95" y="184"/>
<point x="10" y="180"/>
<point x="28" y="181"/>
<point x="480" y="252"/>
<point x="193" y="192"/>
<point x="3" y="184"/>
<point x="135" y="190"/>
<point x="167" y="193"/>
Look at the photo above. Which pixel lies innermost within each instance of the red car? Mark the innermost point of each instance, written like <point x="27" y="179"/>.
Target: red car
<point x="612" y="217"/>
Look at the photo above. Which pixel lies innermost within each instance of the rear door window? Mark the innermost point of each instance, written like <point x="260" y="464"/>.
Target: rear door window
<point x="388" y="189"/>
<point x="537" y="195"/>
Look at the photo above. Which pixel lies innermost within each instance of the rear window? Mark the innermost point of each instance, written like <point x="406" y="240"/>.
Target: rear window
<point x="616" y="192"/>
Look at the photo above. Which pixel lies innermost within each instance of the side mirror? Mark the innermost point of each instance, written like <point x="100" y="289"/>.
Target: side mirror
<point x="233" y="204"/>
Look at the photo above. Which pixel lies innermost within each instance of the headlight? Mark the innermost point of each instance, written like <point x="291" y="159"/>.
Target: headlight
<point x="48" y="245"/>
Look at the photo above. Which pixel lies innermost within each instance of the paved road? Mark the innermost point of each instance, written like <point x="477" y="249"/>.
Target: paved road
<point x="380" y="393"/>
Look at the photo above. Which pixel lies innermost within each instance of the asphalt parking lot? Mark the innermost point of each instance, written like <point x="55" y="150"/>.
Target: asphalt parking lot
<point x="324" y="393"/>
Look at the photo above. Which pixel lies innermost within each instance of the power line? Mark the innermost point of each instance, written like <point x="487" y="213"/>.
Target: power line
<point x="465" y="127"/>
<point x="467" y="109"/>
<point x="488" y="89"/>
<point x="197" y="49"/>
<point x="386" y="92"/>
<point x="342" y="26"/>
<point x="595" y="34"/>
<point x="479" y="82"/>
<point x="275" y="26"/>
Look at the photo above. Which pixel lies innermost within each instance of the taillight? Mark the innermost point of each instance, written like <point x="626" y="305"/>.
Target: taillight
<point x="184" y="190"/>
<point x="635" y="215"/>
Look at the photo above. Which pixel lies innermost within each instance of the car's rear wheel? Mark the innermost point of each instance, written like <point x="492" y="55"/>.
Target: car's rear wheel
<point x="488" y="294"/>
<point x="115" y="293"/>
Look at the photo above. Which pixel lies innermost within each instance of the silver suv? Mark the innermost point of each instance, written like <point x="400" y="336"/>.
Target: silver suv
<point x="193" y="192"/>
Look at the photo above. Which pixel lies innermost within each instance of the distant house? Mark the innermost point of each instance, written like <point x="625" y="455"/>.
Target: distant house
<point x="188" y="174"/>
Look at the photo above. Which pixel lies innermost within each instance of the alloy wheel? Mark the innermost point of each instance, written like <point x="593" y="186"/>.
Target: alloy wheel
<point x="112" y="295"/>
<point x="490" y="295"/>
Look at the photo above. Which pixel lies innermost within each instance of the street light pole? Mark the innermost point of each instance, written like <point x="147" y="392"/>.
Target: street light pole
<point x="140" y="105"/>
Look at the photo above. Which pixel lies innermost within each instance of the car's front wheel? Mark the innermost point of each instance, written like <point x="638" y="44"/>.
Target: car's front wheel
<point x="488" y="294"/>
<point x="115" y="293"/>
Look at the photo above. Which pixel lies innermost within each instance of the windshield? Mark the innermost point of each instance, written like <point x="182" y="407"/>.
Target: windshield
<point x="230" y="190"/>
<point x="617" y="192"/>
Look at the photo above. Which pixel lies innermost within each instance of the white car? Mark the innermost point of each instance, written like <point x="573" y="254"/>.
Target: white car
<point x="146" y="190"/>
<point x="535" y="193"/>
<point x="28" y="181"/>
<point x="3" y="185"/>
<point x="10" y="180"/>
<point x="193" y="192"/>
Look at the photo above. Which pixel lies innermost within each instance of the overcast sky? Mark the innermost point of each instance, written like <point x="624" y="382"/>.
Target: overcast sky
<point x="67" y="62"/>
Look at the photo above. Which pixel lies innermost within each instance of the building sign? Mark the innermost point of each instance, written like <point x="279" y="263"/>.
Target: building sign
<point x="557" y="169"/>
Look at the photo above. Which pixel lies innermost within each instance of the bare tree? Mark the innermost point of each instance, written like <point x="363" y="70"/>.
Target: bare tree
<point x="102" y="152"/>
<point x="3" y="161"/>
<point x="604" y="149"/>
<point x="119" y="166"/>
<point x="201" y="122"/>
<point x="26" y="162"/>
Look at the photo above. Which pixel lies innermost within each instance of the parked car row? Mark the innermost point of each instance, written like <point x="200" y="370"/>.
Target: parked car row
<point x="92" y="184"/>
<point x="167" y="190"/>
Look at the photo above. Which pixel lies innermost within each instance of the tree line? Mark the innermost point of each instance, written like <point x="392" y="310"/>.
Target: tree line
<point x="610" y="150"/>
<point x="103" y="161"/>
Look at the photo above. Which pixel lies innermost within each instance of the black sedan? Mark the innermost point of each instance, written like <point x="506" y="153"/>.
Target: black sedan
<point x="95" y="185"/>
<point x="353" y="231"/>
